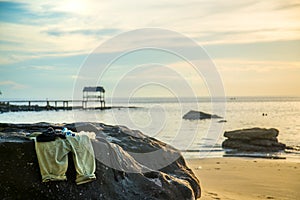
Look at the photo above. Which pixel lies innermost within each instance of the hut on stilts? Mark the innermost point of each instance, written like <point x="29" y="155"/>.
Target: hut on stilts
<point x="93" y="94"/>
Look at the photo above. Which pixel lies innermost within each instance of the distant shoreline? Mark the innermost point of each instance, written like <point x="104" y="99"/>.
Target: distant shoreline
<point x="4" y="107"/>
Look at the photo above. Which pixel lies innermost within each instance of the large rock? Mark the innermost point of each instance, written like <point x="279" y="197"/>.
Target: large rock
<point x="194" y="115"/>
<point x="253" y="139"/>
<point x="124" y="170"/>
<point x="253" y="133"/>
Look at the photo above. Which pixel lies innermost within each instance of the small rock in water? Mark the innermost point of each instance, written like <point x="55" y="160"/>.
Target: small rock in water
<point x="194" y="115"/>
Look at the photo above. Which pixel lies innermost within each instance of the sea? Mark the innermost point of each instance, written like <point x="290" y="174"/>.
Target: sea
<point x="162" y="118"/>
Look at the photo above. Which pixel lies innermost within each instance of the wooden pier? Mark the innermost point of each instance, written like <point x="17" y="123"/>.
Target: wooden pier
<point x="93" y="95"/>
<point x="56" y="104"/>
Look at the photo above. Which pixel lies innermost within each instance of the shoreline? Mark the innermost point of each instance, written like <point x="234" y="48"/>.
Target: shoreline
<point x="247" y="178"/>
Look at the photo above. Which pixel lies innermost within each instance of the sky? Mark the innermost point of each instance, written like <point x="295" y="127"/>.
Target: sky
<point x="44" y="45"/>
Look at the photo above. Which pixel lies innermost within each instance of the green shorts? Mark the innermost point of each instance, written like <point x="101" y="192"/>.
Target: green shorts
<point x="53" y="158"/>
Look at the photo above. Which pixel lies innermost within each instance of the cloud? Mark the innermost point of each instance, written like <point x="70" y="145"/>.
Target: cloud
<point x="288" y="5"/>
<point x="277" y="50"/>
<point x="240" y="65"/>
<point x="81" y="78"/>
<point x="62" y="26"/>
<point x="34" y="43"/>
<point x="12" y="84"/>
<point x="35" y="29"/>
<point x="41" y="67"/>
<point x="9" y="11"/>
<point x="87" y="32"/>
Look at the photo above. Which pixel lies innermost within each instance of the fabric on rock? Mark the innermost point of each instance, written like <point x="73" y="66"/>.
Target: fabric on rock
<point x="53" y="158"/>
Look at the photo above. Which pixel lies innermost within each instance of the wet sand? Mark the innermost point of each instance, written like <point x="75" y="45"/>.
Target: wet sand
<point x="247" y="178"/>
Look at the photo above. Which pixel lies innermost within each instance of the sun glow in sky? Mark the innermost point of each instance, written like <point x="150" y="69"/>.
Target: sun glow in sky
<point x="73" y="6"/>
<point x="254" y="44"/>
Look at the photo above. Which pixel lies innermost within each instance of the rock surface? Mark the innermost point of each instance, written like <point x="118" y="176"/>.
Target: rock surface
<point x="253" y="139"/>
<point x="123" y="169"/>
<point x="194" y="115"/>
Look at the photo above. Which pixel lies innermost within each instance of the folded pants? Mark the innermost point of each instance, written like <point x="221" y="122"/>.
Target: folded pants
<point x="53" y="158"/>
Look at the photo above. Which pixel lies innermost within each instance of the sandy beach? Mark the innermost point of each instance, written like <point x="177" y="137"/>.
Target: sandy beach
<point x="247" y="178"/>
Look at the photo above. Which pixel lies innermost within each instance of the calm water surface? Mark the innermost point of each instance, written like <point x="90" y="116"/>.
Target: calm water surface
<point x="162" y="119"/>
